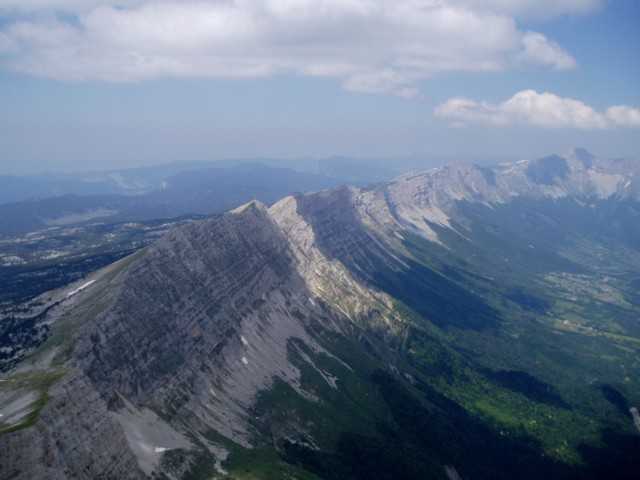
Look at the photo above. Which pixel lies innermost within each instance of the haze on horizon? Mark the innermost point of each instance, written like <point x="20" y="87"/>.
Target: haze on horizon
<point x="106" y="84"/>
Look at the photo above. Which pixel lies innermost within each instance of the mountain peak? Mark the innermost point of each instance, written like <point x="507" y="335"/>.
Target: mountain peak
<point x="252" y="206"/>
<point x="583" y="155"/>
<point x="548" y="169"/>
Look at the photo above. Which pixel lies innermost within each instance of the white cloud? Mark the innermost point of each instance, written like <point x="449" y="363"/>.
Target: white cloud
<point x="373" y="46"/>
<point x="516" y="8"/>
<point x="529" y="107"/>
<point x="623" y="116"/>
<point x="540" y="50"/>
<point x="535" y="8"/>
<point x="66" y="6"/>
<point x="6" y="43"/>
<point x="385" y="81"/>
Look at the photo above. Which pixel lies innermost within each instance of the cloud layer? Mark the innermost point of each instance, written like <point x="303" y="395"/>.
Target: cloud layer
<point x="529" y="107"/>
<point x="374" y="46"/>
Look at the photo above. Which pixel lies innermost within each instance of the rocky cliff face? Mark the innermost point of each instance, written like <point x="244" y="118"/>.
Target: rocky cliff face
<point x="421" y="200"/>
<point x="232" y="334"/>
<point x="183" y="339"/>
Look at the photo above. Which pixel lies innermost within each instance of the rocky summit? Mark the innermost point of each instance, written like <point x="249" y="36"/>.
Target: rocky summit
<point x="414" y="329"/>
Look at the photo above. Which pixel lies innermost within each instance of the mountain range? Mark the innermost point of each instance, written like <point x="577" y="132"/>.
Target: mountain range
<point x="184" y="192"/>
<point x="461" y="322"/>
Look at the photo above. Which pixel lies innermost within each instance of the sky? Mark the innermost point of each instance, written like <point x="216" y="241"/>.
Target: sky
<point x="102" y="84"/>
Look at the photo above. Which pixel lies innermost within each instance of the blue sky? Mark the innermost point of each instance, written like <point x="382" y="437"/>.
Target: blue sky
<point x="101" y="84"/>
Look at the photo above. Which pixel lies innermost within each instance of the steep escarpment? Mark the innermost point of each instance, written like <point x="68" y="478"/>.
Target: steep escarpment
<point x="179" y="344"/>
<point x="332" y="249"/>
<point x="171" y="319"/>
<point x="184" y="300"/>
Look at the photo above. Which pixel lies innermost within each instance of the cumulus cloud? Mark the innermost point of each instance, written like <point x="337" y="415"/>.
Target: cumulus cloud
<point x="529" y="107"/>
<point x="373" y="46"/>
<point x="623" y="116"/>
<point x="517" y="8"/>
<point x="535" y="8"/>
<point x="66" y="6"/>
<point x="539" y="50"/>
<point x="6" y="43"/>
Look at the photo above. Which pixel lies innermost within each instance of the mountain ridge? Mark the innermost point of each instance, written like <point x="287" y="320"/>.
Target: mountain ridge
<point x="288" y="329"/>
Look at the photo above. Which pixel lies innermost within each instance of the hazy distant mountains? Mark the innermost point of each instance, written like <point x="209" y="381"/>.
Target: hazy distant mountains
<point x="136" y="181"/>
<point x="145" y="196"/>
<point x="30" y="203"/>
<point x="460" y="322"/>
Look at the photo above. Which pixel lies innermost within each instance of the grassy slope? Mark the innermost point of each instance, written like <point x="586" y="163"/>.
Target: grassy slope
<point x="44" y="367"/>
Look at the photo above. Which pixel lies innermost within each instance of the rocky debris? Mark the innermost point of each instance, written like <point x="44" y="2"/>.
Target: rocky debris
<point x="148" y="435"/>
<point x="74" y="437"/>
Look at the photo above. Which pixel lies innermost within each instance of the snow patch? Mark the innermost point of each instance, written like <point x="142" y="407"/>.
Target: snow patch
<point x="452" y="473"/>
<point x="16" y="406"/>
<point x="328" y="377"/>
<point x="605" y="184"/>
<point x="80" y="288"/>
<point x="636" y="417"/>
